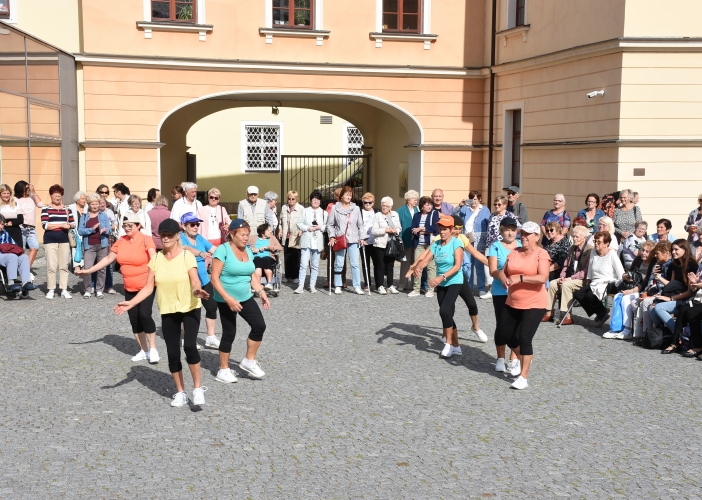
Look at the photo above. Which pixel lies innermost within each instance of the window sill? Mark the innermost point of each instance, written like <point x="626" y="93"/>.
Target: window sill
<point x="403" y="37"/>
<point x="504" y="35"/>
<point x="150" y="27"/>
<point x="320" y="35"/>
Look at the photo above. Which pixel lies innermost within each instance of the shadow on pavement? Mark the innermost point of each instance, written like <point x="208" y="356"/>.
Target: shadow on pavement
<point x="126" y="345"/>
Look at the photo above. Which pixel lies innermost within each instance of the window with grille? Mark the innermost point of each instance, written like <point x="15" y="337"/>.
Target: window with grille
<point x="173" y="10"/>
<point x="354" y="142"/>
<point x="262" y="148"/>
<point x="293" y="13"/>
<point x="402" y="15"/>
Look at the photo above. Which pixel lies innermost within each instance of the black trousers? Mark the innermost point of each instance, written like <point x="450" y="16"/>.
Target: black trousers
<point x="383" y="266"/>
<point x="292" y="261"/>
<point x="517" y="328"/>
<point x="589" y="302"/>
<point x="170" y="325"/>
<point x="251" y="314"/>
<point x="446" y="296"/>
<point x="689" y="316"/>
<point x="209" y="304"/>
<point x="140" y="315"/>
<point x="467" y="296"/>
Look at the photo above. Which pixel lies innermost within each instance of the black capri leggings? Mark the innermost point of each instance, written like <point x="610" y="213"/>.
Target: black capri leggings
<point x="447" y="295"/>
<point x="170" y="325"/>
<point x="467" y="296"/>
<point x="517" y="328"/>
<point x="209" y="304"/>
<point x="251" y="314"/>
<point x="140" y="315"/>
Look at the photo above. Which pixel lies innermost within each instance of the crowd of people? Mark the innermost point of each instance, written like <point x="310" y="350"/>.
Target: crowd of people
<point x="194" y="255"/>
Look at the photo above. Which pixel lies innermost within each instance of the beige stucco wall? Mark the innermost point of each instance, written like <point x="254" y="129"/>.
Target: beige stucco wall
<point x="653" y="18"/>
<point x="55" y="21"/>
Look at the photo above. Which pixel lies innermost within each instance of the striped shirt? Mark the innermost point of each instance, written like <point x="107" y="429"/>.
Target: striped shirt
<point x="51" y="215"/>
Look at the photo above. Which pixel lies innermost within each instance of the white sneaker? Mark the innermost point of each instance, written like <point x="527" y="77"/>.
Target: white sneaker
<point x="392" y="289"/>
<point x="520" y="383"/>
<point x="212" y="342"/>
<point x="32" y="276"/>
<point x="268" y="286"/>
<point x="516" y="368"/>
<point x="139" y="357"/>
<point x="500" y="365"/>
<point x="111" y="291"/>
<point x="381" y="290"/>
<point x="199" y="347"/>
<point x="50" y="294"/>
<point x="100" y="295"/>
<point x="153" y="356"/>
<point x="456" y="351"/>
<point x="285" y="280"/>
<point x="299" y="289"/>
<point x="485" y="295"/>
<point x="337" y="290"/>
<point x="253" y="368"/>
<point x="443" y="340"/>
<point x="481" y="334"/>
<point x="627" y="336"/>
<point x="66" y="294"/>
<point x="429" y="294"/>
<point x="313" y="289"/>
<point x="199" y="396"/>
<point x="180" y="399"/>
<point x="359" y="291"/>
<point x="296" y="281"/>
<point x="447" y="351"/>
<point x="226" y="376"/>
<point x="414" y="293"/>
<point x="87" y="295"/>
<point x="610" y="335"/>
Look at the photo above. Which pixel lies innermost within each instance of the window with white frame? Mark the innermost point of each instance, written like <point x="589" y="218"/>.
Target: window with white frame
<point x="516" y="13"/>
<point x="262" y="147"/>
<point x="512" y="144"/>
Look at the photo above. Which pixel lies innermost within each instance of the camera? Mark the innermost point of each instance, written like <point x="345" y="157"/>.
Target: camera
<point x="595" y="93"/>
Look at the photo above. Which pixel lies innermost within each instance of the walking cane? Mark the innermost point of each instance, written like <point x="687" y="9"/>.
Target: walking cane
<point x="363" y="256"/>
<point x="566" y="314"/>
<point x="329" y="276"/>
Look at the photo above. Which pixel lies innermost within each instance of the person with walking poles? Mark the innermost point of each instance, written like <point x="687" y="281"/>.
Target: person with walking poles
<point x="173" y="272"/>
<point x="233" y="278"/>
<point x="312" y="223"/>
<point x="345" y="230"/>
<point x="524" y="276"/>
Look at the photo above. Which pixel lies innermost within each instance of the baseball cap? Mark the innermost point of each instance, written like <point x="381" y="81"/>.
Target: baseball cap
<point x="168" y="226"/>
<point x="445" y="221"/>
<point x="133" y="218"/>
<point x="508" y="221"/>
<point x="237" y="223"/>
<point x="189" y="217"/>
<point x="514" y="189"/>
<point x="531" y="227"/>
<point x="252" y="190"/>
<point x="457" y="221"/>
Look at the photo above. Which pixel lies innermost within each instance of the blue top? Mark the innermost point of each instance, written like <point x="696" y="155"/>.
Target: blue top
<point x="443" y="255"/>
<point x="406" y="222"/>
<point x="654" y="237"/>
<point x="591" y="225"/>
<point x="260" y="243"/>
<point x="498" y="250"/>
<point x="104" y="221"/>
<point x="236" y="275"/>
<point x="202" y="245"/>
<point x="431" y="226"/>
<point x="480" y="223"/>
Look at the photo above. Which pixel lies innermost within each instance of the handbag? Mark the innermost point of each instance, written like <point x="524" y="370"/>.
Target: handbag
<point x="78" y="255"/>
<point x="340" y="242"/>
<point x="395" y="248"/>
<point x="636" y="279"/>
<point x="223" y="228"/>
<point x="72" y="240"/>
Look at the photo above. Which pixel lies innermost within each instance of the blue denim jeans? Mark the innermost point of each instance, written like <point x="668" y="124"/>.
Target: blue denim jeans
<point x="309" y="256"/>
<point x="660" y="315"/>
<point x="355" y="269"/>
<point x="474" y="268"/>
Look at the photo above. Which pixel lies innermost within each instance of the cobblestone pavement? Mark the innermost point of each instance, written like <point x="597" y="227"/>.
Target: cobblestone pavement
<point x="356" y="404"/>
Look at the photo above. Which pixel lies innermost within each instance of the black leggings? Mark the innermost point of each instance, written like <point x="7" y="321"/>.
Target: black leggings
<point x="382" y="266"/>
<point x="209" y="304"/>
<point x="689" y="316"/>
<point x="251" y="314"/>
<point x="170" y="325"/>
<point x="447" y="295"/>
<point x="292" y="261"/>
<point x="589" y="301"/>
<point x="517" y="328"/>
<point x="467" y="296"/>
<point x="140" y="315"/>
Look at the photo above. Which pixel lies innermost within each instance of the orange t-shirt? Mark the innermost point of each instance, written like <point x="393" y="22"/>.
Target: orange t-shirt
<point x="526" y="295"/>
<point x="133" y="258"/>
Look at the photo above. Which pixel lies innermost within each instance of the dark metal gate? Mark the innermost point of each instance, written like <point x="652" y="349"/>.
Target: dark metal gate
<point x="304" y="174"/>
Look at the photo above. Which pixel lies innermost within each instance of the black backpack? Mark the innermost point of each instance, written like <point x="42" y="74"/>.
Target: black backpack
<point x="657" y="337"/>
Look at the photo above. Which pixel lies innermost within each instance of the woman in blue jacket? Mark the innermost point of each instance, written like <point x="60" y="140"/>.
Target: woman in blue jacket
<point x="475" y="225"/>
<point x="95" y="229"/>
<point x="424" y="229"/>
<point x="591" y="213"/>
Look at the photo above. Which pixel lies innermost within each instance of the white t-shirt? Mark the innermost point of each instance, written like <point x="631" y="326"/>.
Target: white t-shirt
<point x="213" y="223"/>
<point x="182" y="207"/>
<point x="468" y="226"/>
<point x="422" y="224"/>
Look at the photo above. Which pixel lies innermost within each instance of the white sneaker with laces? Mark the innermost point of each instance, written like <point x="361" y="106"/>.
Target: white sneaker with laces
<point x="180" y="399"/>
<point x="500" y="365"/>
<point x="139" y="357"/>
<point x="313" y="289"/>
<point x="447" y="351"/>
<point x="485" y="295"/>
<point x="381" y="290"/>
<point x="359" y="291"/>
<point x="429" y="294"/>
<point x="392" y="289"/>
<point x="32" y="276"/>
<point x="627" y="335"/>
<point x="226" y="376"/>
<point x="299" y="289"/>
<point x="481" y="334"/>
<point x="50" y="294"/>
<point x="212" y="342"/>
<point x="253" y="368"/>
<point x="199" y="395"/>
<point x="199" y="347"/>
<point x="456" y="351"/>
<point x="337" y="290"/>
<point x="414" y="293"/>
<point x="100" y="295"/>
<point x="610" y="335"/>
<point x="268" y="286"/>
<point x="516" y="368"/>
<point x="66" y="294"/>
<point x="153" y="356"/>
<point x="87" y="295"/>
<point x="520" y="383"/>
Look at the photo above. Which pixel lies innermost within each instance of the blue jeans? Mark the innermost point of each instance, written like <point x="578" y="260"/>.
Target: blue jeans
<point x="339" y="258"/>
<point x="660" y="315"/>
<point x="474" y="268"/>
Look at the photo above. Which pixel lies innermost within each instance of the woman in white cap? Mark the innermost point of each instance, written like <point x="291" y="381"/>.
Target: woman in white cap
<point x="524" y="276"/>
<point x="173" y="271"/>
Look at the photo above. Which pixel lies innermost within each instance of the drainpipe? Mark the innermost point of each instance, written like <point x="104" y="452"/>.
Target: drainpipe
<point x="491" y="127"/>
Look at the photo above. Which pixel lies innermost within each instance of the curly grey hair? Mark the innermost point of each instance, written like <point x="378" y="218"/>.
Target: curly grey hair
<point x="270" y="196"/>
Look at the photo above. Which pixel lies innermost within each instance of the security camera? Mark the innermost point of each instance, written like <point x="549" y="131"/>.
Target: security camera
<point x="595" y="93"/>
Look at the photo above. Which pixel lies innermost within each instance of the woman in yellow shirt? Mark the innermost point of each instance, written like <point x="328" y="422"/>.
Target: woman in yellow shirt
<point x="174" y="273"/>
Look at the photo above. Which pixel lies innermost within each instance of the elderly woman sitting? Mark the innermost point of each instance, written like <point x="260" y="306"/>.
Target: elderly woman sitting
<point x="573" y="272"/>
<point x="13" y="259"/>
<point x="631" y="246"/>
<point x="605" y="224"/>
<point x="604" y="271"/>
<point x="557" y="248"/>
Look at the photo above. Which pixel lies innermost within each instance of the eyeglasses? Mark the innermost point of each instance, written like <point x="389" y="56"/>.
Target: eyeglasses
<point x="292" y="199"/>
<point x="214" y="197"/>
<point x="590" y="201"/>
<point x="194" y="224"/>
<point x="367" y="202"/>
<point x="167" y="236"/>
<point x="497" y="204"/>
<point x="551" y="230"/>
<point x="128" y="225"/>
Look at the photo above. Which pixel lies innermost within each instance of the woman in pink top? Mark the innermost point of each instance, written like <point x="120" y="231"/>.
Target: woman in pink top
<point x="158" y="214"/>
<point x="525" y="275"/>
<point x="212" y="215"/>
<point x="28" y="201"/>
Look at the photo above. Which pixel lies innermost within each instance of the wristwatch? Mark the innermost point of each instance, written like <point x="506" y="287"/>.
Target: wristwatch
<point x="443" y="276"/>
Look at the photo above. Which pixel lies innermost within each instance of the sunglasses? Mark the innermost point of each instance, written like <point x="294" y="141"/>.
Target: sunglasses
<point x="292" y="199"/>
<point x="550" y="230"/>
<point x="214" y="197"/>
<point x="166" y="236"/>
<point x="103" y="192"/>
<point x="497" y="204"/>
<point x="367" y="202"/>
<point x="193" y="224"/>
